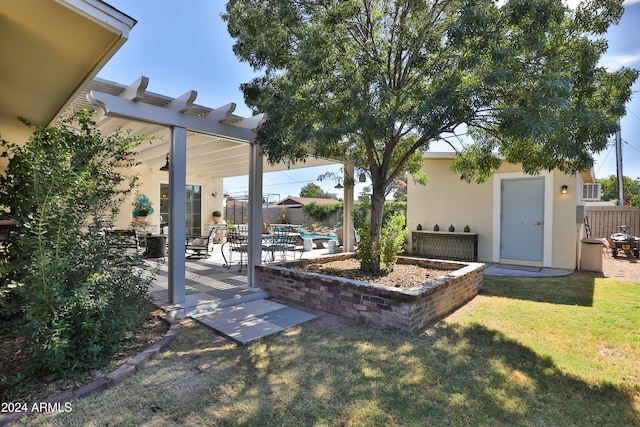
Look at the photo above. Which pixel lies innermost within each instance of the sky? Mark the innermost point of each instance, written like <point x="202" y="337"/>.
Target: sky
<point x="185" y="45"/>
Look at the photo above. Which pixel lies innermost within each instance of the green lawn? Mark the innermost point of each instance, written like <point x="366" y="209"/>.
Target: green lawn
<point x="530" y="352"/>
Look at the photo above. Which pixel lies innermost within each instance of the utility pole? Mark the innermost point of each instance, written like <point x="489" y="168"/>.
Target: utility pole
<point x="619" y="165"/>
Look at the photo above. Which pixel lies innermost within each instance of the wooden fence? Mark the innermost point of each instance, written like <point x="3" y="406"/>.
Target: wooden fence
<point x="606" y="220"/>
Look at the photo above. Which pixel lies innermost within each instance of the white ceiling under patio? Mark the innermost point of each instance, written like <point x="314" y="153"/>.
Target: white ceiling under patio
<point x="217" y="156"/>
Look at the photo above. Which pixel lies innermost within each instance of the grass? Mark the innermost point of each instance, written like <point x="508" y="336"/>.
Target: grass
<point x="526" y="352"/>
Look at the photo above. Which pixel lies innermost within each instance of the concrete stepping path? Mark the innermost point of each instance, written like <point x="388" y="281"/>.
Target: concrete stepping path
<point x="220" y="299"/>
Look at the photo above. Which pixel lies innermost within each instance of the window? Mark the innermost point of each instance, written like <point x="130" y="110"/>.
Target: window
<point x="193" y="208"/>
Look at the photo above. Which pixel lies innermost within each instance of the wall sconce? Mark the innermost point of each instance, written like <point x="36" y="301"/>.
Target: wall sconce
<point x="564" y="189"/>
<point x="214" y="194"/>
<point x="165" y="168"/>
<point x="362" y="177"/>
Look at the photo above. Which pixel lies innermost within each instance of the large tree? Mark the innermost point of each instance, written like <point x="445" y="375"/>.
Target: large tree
<point x="377" y="81"/>
<point x="630" y="187"/>
<point x="314" y="190"/>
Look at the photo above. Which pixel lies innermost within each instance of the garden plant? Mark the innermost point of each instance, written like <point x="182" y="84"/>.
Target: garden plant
<point x="63" y="289"/>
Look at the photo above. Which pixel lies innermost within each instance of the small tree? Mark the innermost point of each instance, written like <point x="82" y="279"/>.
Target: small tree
<point x="377" y="81"/>
<point x="78" y="296"/>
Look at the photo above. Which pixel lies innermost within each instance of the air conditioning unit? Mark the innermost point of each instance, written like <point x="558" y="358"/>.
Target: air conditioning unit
<point x="591" y="192"/>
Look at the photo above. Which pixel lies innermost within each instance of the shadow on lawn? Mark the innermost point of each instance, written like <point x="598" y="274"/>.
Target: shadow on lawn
<point x="458" y="376"/>
<point x="566" y="290"/>
<point x="349" y="374"/>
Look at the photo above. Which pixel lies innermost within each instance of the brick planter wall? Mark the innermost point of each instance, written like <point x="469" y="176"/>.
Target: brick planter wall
<point x="407" y="310"/>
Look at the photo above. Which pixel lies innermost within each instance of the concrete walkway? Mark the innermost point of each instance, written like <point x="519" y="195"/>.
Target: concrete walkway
<point x="523" y="271"/>
<point x="221" y="299"/>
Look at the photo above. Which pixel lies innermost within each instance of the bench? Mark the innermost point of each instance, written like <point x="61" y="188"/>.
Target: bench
<point x="125" y="241"/>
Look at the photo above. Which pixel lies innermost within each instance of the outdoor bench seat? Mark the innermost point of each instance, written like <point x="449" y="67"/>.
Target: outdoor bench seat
<point x="124" y="240"/>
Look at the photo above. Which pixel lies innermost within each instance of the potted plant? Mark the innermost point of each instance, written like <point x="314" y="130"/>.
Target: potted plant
<point x="216" y="216"/>
<point x="142" y="207"/>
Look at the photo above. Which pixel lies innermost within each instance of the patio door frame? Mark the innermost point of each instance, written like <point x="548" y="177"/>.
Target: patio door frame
<point x="195" y="229"/>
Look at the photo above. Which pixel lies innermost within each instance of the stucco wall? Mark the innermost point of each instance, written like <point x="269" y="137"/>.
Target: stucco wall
<point x="565" y="227"/>
<point x="150" y="181"/>
<point x="447" y="200"/>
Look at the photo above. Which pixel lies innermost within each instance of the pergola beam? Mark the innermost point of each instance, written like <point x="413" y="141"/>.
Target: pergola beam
<point x="176" y="116"/>
<point x="112" y="105"/>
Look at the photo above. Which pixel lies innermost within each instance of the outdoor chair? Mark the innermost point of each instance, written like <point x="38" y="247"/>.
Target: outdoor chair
<point x="200" y="246"/>
<point x="283" y="242"/>
<point x="237" y="243"/>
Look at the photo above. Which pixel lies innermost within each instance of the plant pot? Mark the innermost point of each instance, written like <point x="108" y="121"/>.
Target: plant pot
<point x="140" y="221"/>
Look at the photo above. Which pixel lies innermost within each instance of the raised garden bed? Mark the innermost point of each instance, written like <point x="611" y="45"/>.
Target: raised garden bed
<point x="405" y="309"/>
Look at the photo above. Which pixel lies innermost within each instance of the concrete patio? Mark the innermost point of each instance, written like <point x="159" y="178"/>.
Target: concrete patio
<point x="221" y="298"/>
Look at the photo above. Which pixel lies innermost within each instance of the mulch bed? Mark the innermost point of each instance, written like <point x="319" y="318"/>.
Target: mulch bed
<point x="35" y="387"/>
<point x="402" y="276"/>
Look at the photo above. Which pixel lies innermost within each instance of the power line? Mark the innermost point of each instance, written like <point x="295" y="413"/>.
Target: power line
<point x="631" y="146"/>
<point x="633" y="114"/>
<point x="604" y="160"/>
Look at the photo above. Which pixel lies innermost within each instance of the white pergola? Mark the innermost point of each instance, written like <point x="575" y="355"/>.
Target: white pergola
<point x="214" y="140"/>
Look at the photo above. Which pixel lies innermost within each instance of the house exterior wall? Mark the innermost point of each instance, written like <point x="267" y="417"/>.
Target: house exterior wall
<point x="447" y="200"/>
<point x="150" y="181"/>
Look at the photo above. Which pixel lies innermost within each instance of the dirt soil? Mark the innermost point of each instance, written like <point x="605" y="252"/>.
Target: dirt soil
<point x="35" y="388"/>
<point x="408" y="276"/>
<point x="402" y="276"/>
<point x="625" y="268"/>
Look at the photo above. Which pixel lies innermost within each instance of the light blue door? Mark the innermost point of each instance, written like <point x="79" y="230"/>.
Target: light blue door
<point x="522" y="219"/>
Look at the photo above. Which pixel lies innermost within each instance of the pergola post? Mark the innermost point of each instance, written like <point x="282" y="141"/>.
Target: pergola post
<point x="348" y="237"/>
<point x="177" y="214"/>
<point x="255" y="213"/>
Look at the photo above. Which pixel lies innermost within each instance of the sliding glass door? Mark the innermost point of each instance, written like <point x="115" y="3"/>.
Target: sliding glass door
<point x="193" y="208"/>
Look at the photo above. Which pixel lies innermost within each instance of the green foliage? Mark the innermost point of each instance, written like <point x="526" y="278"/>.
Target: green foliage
<point x="314" y="190"/>
<point x="394" y="233"/>
<point x="375" y="82"/>
<point x="142" y="206"/>
<point x="79" y="297"/>
<point x="392" y="237"/>
<point x="361" y="211"/>
<point x="630" y="188"/>
<point x="319" y="212"/>
<point x="366" y="250"/>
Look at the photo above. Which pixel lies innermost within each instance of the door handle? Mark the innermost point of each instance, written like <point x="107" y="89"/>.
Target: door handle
<point x="538" y="223"/>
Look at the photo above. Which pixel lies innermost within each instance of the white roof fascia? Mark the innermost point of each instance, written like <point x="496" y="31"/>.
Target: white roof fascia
<point x="104" y="14"/>
<point x="107" y="17"/>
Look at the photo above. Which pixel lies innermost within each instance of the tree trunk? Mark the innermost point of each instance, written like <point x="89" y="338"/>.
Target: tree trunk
<point x="377" y="211"/>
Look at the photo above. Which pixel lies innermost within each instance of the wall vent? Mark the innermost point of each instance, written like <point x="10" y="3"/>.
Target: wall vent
<point x="591" y="192"/>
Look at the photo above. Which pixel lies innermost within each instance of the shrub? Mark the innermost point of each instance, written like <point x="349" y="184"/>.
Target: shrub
<point x="365" y="251"/>
<point x="392" y="240"/>
<point x="78" y="298"/>
<point x="319" y="212"/>
<point x="393" y="235"/>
